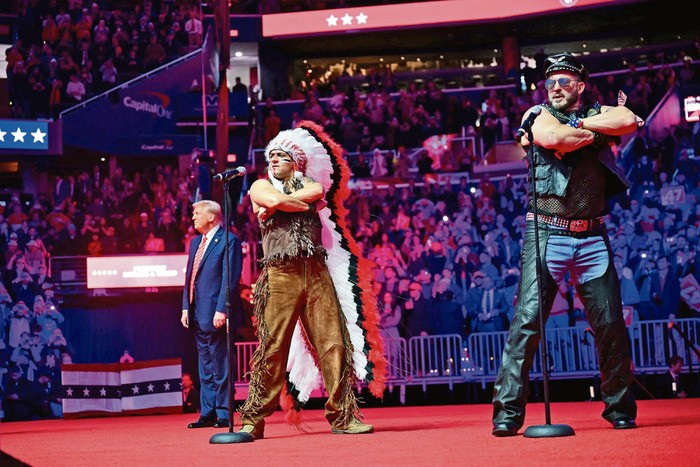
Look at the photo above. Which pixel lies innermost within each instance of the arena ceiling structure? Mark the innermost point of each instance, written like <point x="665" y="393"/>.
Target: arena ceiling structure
<point x="610" y="26"/>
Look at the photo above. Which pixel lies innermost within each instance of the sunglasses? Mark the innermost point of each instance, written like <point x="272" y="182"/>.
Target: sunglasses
<point x="563" y="82"/>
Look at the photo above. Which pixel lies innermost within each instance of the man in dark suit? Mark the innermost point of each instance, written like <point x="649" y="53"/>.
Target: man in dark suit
<point x="487" y="307"/>
<point x="672" y="384"/>
<point x="204" y="309"/>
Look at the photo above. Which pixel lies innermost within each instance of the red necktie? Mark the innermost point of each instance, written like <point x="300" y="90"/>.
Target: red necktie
<point x="195" y="266"/>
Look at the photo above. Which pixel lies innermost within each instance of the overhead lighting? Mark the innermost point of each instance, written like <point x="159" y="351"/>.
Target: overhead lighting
<point x="238" y="54"/>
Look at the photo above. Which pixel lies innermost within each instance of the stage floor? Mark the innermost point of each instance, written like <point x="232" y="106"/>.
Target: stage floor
<point x="424" y="435"/>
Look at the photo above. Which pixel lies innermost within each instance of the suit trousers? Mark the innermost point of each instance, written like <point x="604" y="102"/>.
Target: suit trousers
<point x="212" y="351"/>
<point x="603" y="306"/>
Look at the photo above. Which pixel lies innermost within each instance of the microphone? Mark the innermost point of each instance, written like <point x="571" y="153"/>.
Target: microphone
<point x="525" y="127"/>
<point x="229" y="174"/>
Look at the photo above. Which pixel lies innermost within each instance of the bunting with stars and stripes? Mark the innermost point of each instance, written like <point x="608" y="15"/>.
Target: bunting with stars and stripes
<point x="152" y="387"/>
<point x="24" y="134"/>
<point x="149" y="387"/>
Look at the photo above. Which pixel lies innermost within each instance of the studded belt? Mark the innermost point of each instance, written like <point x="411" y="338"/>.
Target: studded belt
<point x="571" y="225"/>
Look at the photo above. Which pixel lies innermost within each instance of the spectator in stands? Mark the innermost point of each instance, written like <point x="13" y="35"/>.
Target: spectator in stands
<point x="154" y="53"/>
<point x="20" y="397"/>
<point x="24" y="289"/>
<point x="390" y="317"/>
<point x="360" y="168"/>
<point x="15" y="265"/>
<point x="447" y="313"/>
<point x="193" y="28"/>
<point x="58" y="345"/>
<point x="16" y="217"/>
<point x="239" y="87"/>
<point x="75" y="89"/>
<point x="109" y="241"/>
<point x="19" y="323"/>
<point x="49" y="394"/>
<point x="378" y="166"/>
<point x="574" y="133"/>
<point x="417" y="316"/>
<point x="487" y="307"/>
<point x="272" y="125"/>
<point x="34" y="258"/>
<point x="94" y="247"/>
<point x="169" y="230"/>
<point x="70" y="242"/>
<point x="190" y="394"/>
<point x="5" y="313"/>
<point x="673" y="383"/>
<point x="109" y="74"/>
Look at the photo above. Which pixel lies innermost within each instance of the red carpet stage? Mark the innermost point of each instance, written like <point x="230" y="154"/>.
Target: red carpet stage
<point x="668" y="434"/>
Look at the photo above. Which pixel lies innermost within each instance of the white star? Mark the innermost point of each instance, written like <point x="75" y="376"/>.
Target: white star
<point x="347" y="19"/>
<point x="361" y="18"/>
<point x="38" y="136"/>
<point x="103" y="392"/>
<point x="135" y="389"/>
<point x="69" y="392"/>
<point x="167" y="386"/>
<point x="150" y="387"/>
<point x="332" y="20"/>
<point x="19" y="135"/>
<point x="86" y="392"/>
<point x="2" y="135"/>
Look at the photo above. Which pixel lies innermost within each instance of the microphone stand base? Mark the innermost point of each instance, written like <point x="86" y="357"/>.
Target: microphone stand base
<point x="231" y="438"/>
<point x="548" y="431"/>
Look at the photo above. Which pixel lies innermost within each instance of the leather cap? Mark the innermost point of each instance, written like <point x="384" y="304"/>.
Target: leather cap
<point x="565" y="62"/>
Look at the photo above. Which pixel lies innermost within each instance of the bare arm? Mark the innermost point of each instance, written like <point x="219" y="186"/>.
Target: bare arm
<point x="312" y="191"/>
<point x="264" y="195"/>
<point x="549" y="133"/>
<point x="613" y="121"/>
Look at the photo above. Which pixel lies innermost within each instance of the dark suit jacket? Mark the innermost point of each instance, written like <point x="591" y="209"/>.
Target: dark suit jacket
<point x="191" y="403"/>
<point x="474" y="307"/>
<point x="210" y="284"/>
<point x="664" y="385"/>
<point x="668" y="299"/>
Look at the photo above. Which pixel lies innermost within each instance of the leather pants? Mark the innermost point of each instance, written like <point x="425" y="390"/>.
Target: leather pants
<point x="603" y="307"/>
<point x="299" y="290"/>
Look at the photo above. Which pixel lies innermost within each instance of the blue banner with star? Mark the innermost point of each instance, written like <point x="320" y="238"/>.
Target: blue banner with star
<point x="24" y="134"/>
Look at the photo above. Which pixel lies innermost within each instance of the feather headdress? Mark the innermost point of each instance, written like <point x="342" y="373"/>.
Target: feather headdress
<point x="320" y="158"/>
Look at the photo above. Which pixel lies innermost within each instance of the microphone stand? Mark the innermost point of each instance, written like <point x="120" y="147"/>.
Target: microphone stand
<point x="547" y="430"/>
<point x="229" y="437"/>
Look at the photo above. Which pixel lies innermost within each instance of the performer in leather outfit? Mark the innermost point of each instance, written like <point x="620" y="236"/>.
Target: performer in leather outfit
<point x="576" y="174"/>
<point x="296" y="293"/>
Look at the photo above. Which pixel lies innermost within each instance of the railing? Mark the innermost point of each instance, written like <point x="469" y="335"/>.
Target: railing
<point x="444" y="359"/>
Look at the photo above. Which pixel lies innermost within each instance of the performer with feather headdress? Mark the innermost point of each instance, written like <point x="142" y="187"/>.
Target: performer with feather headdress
<point x="314" y="305"/>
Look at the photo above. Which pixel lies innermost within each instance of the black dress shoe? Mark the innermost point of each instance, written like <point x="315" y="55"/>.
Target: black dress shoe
<point x="221" y="423"/>
<point x="504" y="429"/>
<point x="203" y="423"/>
<point x="624" y="424"/>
